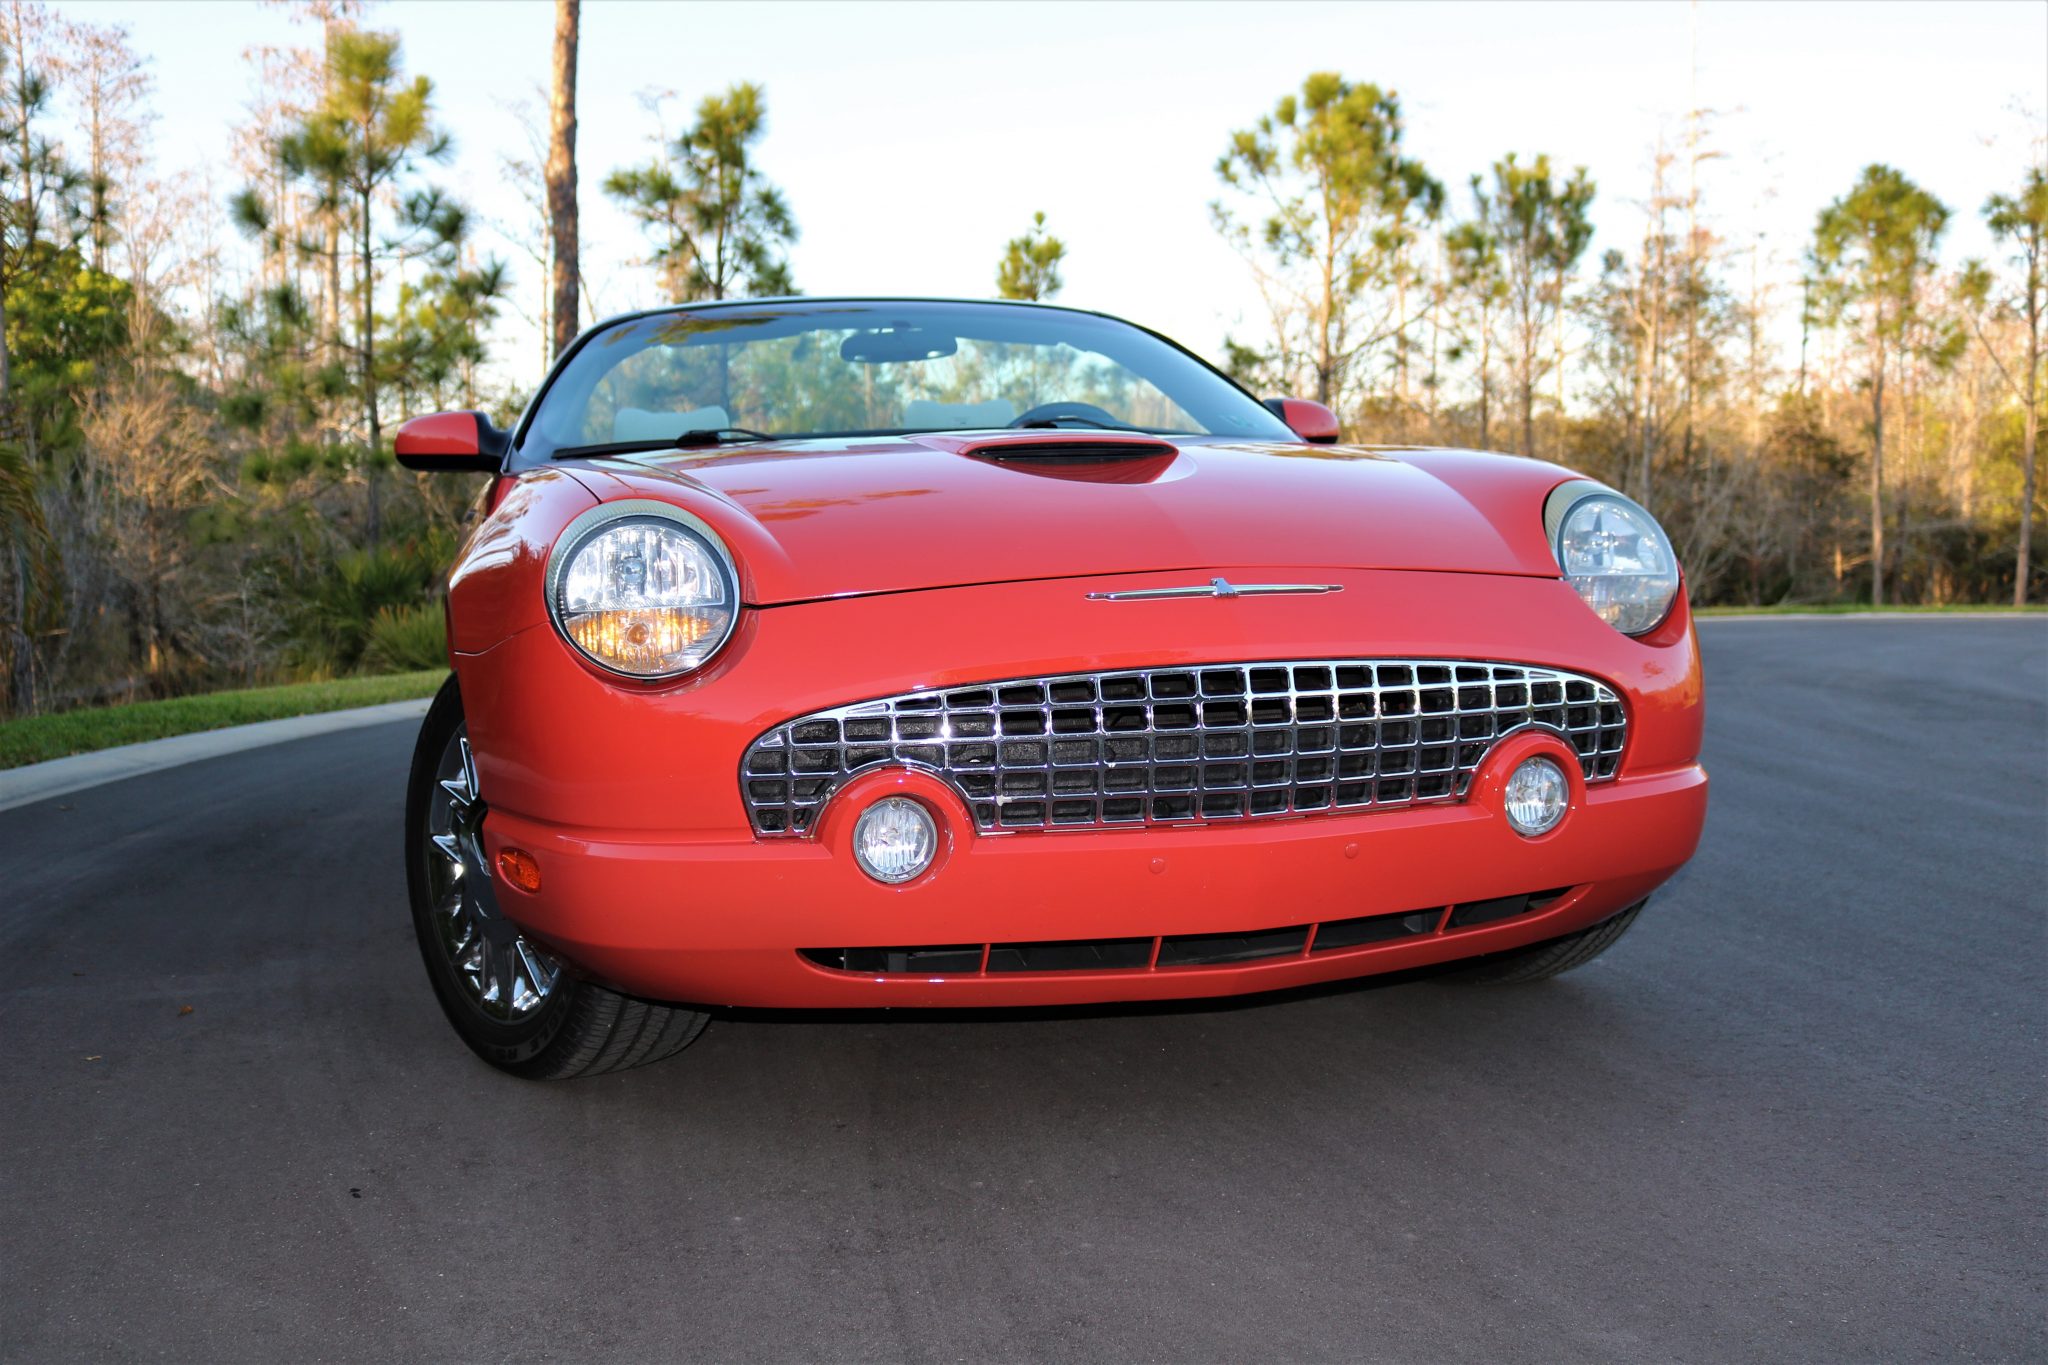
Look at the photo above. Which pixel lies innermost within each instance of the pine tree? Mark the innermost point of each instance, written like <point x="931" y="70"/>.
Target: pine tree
<point x="719" y="227"/>
<point x="1872" y="250"/>
<point x="2021" y="222"/>
<point x="1337" y="202"/>
<point x="1030" y="268"/>
<point x="1540" y="224"/>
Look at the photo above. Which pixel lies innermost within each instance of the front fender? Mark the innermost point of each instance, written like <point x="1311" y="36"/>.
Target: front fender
<point x="495" y="589"/>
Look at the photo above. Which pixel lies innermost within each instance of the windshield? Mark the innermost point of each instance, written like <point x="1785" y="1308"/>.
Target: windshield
<point x="802" y="369"/>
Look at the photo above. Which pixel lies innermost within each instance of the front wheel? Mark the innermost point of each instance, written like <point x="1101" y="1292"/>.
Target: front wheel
<point x="1541" y="961"/>
<point x="509" y="998"/>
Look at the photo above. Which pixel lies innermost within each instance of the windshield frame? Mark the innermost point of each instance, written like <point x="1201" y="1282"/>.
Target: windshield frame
<point x="521" y="458"/>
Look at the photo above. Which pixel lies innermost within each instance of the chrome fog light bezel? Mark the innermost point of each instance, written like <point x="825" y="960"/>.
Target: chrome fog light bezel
<point x="887" y="807"/>
<point x="1530" y="822"/>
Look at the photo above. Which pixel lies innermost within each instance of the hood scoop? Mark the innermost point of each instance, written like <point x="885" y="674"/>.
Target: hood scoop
<point x="1069" y="450"/>
<point x="1088" y="459"/>
<point x="1083" y="459"/>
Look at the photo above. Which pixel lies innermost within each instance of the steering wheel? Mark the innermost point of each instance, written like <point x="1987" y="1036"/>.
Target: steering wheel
<point x="1052" y="412"/>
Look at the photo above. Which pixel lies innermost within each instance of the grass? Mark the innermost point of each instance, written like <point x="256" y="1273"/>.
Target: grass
<point x="34" y="739"/>
<point x="1864" y="609"/>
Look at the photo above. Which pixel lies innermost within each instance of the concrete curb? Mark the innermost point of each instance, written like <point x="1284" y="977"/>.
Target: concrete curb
<point x="61" y="776"/>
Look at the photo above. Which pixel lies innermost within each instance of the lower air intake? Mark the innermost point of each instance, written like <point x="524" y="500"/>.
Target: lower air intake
<point x="1174" y="951"/>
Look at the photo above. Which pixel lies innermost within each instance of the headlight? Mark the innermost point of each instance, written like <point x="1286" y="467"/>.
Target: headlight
<point x="643" y="589"/>
<point x="1614" y="553"/>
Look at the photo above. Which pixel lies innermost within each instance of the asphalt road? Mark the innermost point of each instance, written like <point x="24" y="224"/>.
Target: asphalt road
<point x="1798" y="1113"/>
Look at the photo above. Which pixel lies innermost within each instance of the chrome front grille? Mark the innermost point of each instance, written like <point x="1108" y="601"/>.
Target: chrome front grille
<point x="1211" y="742"/>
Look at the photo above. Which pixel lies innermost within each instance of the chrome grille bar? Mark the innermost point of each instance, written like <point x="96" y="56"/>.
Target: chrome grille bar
<point x="1208" y="742"/>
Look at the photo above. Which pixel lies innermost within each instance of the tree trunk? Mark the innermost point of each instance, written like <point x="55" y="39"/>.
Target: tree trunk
<point x="1560" y="363"/>
<point x="561" y="174"/>
<point x="1528" y="412"/>
<point x="1401" y="334"/>
<point x="373" y="523"/>
<point x="1654" y="344"/>
<point x="718" y="250"/>
<point x="1326" y="362"/>
<point x="1654" y="284"/>
<point x="1532" y="341"/>
<point x="96" y="184"/>
<point x="2032" y="398"/>
<point x="331" y="302"/>
<point x="21" y="680"/>
<point x="1877" y="481"/>
<point x="153" y="598"/>
<point x="2021" y="568"/>
<point x="1641" y="414"/>
<point x="1485" y="381"/>
<point x="1755" y="367"/>
<point x="28" y="241"/>
<point x="1436" y="329"/>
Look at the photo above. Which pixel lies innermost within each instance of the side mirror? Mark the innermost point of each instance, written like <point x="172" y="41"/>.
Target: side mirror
<point x="451" y="442"/>
<point x="1312" y="422"/>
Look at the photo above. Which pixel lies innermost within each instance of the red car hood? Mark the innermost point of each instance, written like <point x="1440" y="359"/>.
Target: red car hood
<point x="815" y="519"/>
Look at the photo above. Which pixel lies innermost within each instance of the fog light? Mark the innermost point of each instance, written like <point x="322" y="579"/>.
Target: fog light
<point x="895" y="839"/>
<point x="1537" y="795"/>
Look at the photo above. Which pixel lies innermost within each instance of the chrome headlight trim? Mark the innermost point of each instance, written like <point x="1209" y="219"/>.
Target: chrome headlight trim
<point x="1567" y="498"/>
<point x="593" y="523"/>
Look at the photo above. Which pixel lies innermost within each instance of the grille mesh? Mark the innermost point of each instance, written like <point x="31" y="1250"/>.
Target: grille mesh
<point x="1176" y="745"/>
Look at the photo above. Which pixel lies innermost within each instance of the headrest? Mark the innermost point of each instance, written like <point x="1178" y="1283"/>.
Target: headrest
<point x="921" y="414"/>
<point x="638" y="424"/>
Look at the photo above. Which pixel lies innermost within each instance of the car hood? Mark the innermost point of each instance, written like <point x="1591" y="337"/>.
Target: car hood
<point x="816" y="519"/>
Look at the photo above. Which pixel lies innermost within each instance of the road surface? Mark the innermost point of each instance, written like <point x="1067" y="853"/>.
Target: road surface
<point x="1797" y="1113"/>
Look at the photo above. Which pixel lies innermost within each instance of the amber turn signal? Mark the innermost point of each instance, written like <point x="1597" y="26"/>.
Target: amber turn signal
<point x="518" y="867"/>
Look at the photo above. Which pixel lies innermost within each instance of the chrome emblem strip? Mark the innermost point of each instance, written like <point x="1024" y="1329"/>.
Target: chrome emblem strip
<point x="1215" y="587"/>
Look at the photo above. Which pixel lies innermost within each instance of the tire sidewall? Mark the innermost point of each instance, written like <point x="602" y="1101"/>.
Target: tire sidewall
<point x="504" y="1043"/>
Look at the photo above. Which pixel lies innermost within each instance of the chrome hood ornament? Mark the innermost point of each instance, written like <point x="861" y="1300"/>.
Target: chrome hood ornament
<point x="1215" y="587"/>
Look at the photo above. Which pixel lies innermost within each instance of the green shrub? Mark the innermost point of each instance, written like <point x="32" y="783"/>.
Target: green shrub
<point x="337" y="606"/>
<point x="406" y="639"/>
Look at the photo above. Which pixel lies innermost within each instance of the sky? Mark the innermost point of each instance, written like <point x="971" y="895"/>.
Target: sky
<point x="912" y="140"/>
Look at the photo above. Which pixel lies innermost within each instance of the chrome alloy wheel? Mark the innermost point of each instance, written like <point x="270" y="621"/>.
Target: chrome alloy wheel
<point x="504" y="976"/>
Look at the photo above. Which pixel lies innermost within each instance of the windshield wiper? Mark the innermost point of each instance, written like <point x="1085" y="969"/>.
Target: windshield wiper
<point x="689" y="440"/>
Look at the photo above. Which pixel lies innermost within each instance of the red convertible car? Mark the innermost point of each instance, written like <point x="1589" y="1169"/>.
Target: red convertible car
<point x="877" y="652"/>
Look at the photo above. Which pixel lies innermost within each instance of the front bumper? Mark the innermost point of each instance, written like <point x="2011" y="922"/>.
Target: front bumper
<point x="722" y="922"/>
<point x="654" y="883"/>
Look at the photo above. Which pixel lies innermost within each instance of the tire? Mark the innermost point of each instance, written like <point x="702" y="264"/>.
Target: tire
<point x="512" y="1002"/>
<point x="1541" y="961"/>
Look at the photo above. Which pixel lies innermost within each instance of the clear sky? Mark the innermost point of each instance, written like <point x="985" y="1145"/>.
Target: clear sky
<point x="913" y="139"/>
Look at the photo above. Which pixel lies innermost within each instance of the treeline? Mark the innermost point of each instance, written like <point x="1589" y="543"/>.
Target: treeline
<point x="1892" y="458"/>
<point x="200" y="372"/>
